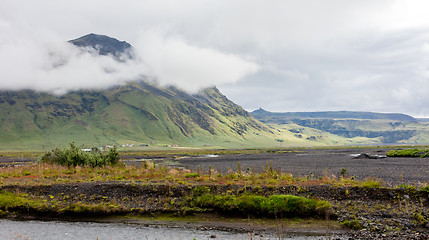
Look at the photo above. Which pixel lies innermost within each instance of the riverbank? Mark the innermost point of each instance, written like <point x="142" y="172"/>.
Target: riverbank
<point x="370" y="213"/>
<point x="328" y="191"/>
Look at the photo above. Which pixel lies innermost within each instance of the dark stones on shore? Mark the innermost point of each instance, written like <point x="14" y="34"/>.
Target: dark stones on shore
<point x="382" y="213"/>
<point x="368" y="156"/>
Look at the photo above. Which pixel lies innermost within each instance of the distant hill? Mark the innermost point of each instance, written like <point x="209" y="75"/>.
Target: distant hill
<point x="388" y="128"/>
<point x="262" y="114"/>
<point x="423" y="119"/>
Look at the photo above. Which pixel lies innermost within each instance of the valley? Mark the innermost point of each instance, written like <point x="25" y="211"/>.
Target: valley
<point x="201" y="156"/>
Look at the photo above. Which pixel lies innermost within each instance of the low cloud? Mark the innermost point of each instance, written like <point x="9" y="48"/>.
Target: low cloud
<point x="59" y="67"/>
<point x="174" y="61"/>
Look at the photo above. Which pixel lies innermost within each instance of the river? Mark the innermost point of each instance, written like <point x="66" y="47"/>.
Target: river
<point x="54" y="230"/>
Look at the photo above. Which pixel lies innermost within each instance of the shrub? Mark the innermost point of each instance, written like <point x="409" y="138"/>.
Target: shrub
<point x="192" y="175"/>
<point x="74" y="156"/>
<point x="406" y="186"/>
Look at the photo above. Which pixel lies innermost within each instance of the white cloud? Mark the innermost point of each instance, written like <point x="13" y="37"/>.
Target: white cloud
<point x="57" y="67"/>
<point x="174" y="61"/>
<point x="60" y="67"/>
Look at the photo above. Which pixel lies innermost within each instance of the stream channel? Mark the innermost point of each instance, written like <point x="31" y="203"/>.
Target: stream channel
<point x="50" y="230"/>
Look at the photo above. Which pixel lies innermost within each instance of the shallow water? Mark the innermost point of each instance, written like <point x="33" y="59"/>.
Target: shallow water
<point x="50" y="230"/>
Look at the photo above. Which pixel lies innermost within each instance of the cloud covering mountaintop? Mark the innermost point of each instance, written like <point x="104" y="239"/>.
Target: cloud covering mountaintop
<point x="305" y="55"/>
<point x="59" y="67"/>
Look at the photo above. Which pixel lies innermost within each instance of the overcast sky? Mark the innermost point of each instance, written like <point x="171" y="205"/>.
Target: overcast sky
<point x="306" y="55"/>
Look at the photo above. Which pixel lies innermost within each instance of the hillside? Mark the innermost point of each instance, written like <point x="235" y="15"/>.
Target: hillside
<point x="380" y="128"/>
<point x="143" y="113"/>
<point x="137" y="113"/>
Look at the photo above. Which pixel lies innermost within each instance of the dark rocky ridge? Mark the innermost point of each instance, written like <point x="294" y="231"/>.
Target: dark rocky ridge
<point x="105" y="45"/>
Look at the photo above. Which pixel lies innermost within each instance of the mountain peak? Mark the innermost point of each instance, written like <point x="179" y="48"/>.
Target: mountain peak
<point x="260" y="111"/>
<point x="105" y="45"/>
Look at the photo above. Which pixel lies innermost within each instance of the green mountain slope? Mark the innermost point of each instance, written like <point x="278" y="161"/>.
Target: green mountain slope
<point x="136" y="113"/>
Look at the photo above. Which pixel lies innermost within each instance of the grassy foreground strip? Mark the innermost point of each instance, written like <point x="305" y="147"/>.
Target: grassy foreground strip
<point x="246" y="205"/>
<point x="149" y="173"/>
<point x="27" y="204"/>
<point x="47" y="173"/>
<point x="273" y="206"/>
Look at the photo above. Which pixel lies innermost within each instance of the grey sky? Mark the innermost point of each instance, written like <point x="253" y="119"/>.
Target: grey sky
<point x="306" y="55"/>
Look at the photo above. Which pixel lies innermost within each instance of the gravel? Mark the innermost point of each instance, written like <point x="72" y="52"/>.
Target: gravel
<point x="318" y="163"/>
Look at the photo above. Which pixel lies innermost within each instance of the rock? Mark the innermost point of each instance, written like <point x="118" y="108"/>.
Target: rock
<point x="368" y="156"/>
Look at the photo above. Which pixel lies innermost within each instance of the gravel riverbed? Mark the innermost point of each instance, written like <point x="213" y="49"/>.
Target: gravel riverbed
<point x="318" y="162"/>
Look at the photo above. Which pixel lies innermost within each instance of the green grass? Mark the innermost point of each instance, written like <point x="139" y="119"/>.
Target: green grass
<point x="352" y="224"/>
<point x="254" y="205"/>
<point x="19" y="202"/>
<point x="409" y="153"/>
<point x="371" y="183"/>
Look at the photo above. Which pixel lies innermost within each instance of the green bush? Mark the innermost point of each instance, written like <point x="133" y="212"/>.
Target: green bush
<point x="425" y="188"/>
<point x="275" y="205"/>
<point x="192" y="175"/>
<point x="73" y="156"/>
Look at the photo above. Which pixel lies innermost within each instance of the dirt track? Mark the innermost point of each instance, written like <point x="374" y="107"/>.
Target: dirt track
<point x="318" y="162"/>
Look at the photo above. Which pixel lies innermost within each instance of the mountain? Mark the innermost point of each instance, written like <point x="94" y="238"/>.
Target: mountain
<point x="136" y="113"/>
<point x="139" y="113"/>
<point x="385" y="128"/>
<point x="104" y="45"/>
<point x="144" y="113"/>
